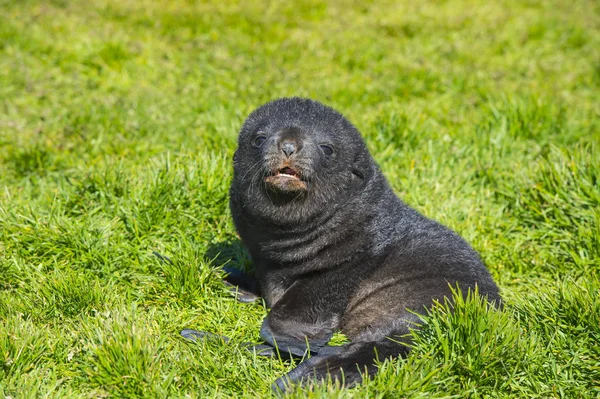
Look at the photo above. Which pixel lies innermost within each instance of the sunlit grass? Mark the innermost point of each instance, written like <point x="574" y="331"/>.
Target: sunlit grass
<point x="118" y="121"/>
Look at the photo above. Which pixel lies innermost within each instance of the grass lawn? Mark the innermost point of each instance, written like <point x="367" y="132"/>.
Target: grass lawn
<point x="118" y="121"/>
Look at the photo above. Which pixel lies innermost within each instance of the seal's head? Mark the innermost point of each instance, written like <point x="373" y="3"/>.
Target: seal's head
<point x="288" y="157"/>
<point x="298" y="153"/>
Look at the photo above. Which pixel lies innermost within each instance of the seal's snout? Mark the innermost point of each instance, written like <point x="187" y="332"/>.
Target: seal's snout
<point x="288" y="147"/>
<point x="290" y="141"/>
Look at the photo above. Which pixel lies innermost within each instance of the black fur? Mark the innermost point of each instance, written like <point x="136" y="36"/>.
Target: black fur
<point x="337" y="249"/>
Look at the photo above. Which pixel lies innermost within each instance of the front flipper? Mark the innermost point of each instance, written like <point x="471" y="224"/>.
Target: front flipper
<point x="241" y="284"/>
<point x="260" y="349"/>
<point x="241" y="294"/>
<point x="195" y="335"/>
<point x="304" y="319"/>
<point x="288" y="340"/>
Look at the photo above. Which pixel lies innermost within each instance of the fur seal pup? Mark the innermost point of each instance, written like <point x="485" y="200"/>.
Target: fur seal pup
<point x="333" y="247"/>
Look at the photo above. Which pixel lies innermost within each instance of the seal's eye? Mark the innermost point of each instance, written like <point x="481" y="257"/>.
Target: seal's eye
<point x="327" y="150"/>
<point x="259" y="140"/>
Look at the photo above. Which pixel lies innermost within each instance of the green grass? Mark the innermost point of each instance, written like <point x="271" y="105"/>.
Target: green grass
<point x="118" y="120"/>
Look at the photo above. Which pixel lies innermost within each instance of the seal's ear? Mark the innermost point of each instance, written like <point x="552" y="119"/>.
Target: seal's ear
<point x="360" y="165"/>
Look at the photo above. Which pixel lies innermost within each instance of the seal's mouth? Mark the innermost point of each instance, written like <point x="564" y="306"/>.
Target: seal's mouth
<point x="286" y="179"/>
<point x="288" y="172"/>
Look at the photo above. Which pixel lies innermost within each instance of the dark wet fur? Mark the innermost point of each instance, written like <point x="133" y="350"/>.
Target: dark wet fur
<point x="345" y="254"/>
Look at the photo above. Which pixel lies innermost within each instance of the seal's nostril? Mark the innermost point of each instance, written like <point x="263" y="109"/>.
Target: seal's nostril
<point x="288" y="148"/>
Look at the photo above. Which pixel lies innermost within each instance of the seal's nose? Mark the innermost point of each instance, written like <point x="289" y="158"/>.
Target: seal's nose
<point x="288" y="147"/>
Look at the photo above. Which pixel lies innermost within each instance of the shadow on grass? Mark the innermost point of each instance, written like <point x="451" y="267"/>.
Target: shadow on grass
<point x="229" y="254"/>
<point x="232" y="258"/>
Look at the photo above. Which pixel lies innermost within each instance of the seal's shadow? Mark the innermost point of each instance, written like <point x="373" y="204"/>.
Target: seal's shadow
<point x="229" y="254"/>
<point x="231" y="257"/>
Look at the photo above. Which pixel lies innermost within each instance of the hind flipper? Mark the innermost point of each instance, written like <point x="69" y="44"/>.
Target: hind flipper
<point x="347" y="364"/>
